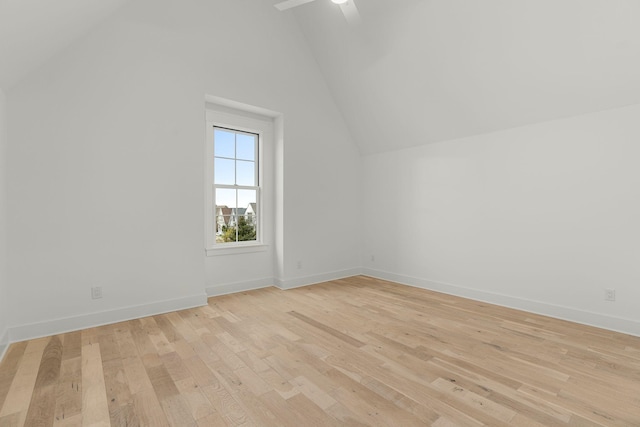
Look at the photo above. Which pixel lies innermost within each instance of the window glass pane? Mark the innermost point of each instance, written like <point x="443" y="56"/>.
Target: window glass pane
<point x="224" y="143"/>
<point x="225" y="171"/>
<point x="235" y="164"/>
<point x="230" y="232"/>
<point x="245" y="197"/>
<point x="246" y="146"/>
<point x="251" y="214"/>
<point x="246" y="173"/>
<point x="225" y="198"/>
<point x="224" y="215"/>
<point x="221" y="224"/>
<point x="252" y="220"/>
<point x="247" y="220"/>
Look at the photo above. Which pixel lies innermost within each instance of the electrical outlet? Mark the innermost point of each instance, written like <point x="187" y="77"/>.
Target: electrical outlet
<point x="299" y="264"/>
<point x="609" y="294"/>
<point x="96" y="292"/>
<point x="373" y="258"/>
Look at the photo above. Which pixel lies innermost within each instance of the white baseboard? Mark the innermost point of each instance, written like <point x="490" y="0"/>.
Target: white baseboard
<point x="90" y="320"/>
<point x="617" y="324"/>
<point x="232" y="288"/>
<point x="283" y="284"/>
<point x="4" y="343"/>
<point x="298" y="282"/>
<point x="57" y="326"/>
<point x="74" y="323"/>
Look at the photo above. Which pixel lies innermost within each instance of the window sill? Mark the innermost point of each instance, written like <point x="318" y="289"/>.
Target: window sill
<point x="236" y="249"/>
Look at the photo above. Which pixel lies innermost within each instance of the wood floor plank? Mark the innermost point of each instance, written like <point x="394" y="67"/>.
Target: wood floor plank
<point x="225" y="404"/>
<point x="157" y="337"/>
<point x="117" y="389"/>
<point x="175" y="367"/>
<point x="12" y="420"/>
<point x="124" y="415"/>
<point x="9" y="367"/>
<point x="342" y="336"/>
<point x="95" y="410"/>
<point x="351" y="352"/>
<point x="69" y="390"/>
<point x="148" y="410"/>
<point x="178" y="412"/>
<point x="43" y="400"/>
<point x="21" y="390"/>
<point x="196" y="400"/>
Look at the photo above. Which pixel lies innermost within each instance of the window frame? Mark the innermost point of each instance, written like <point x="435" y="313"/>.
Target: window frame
<point x="243" y="123"/>
<point x="237" y="187"/>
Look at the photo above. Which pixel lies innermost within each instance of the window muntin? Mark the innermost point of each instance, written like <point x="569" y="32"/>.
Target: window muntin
<point x="236" y="190"/>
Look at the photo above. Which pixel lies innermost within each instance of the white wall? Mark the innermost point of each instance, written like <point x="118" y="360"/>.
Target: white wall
<point x="32" y="31"/>
<point x="447" y="69"/>
<point x="542" y="217"/>
<point x="4" y="305"/>
<point x="106" y="173"/>
<point x="234" y="269"/>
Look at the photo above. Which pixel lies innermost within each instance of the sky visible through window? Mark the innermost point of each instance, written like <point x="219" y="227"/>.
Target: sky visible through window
<point x="235" y="164"/>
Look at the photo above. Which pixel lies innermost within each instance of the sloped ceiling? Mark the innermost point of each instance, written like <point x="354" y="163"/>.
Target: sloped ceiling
<point x="32" y="31"/>
<point x="418" y="71"/>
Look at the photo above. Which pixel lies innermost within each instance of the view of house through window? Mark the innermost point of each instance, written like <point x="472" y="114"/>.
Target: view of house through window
<point x="236" y="186"/>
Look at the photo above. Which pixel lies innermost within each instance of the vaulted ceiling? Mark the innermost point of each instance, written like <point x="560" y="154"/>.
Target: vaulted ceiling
<point x="32" y="31"/>
<point x="416" y="71"/>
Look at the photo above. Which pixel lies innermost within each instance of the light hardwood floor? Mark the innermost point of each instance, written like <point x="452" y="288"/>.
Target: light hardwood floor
<point x="353" y="352"/>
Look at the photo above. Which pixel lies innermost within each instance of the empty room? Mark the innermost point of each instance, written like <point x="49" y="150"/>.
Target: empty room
<point x="319" y="213"/>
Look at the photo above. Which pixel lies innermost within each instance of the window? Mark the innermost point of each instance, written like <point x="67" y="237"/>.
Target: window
<point x="235" y="185"/>
<point x="239" y="180"/>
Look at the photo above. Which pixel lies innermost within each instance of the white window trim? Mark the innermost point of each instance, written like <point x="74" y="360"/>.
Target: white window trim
<point x="240" y="248"/>
<point x="249" y="122"/>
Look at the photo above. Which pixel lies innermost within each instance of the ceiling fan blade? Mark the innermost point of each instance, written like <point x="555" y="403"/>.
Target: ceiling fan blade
<point x="350" y="11"/>
<point x="288" y="4"/>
